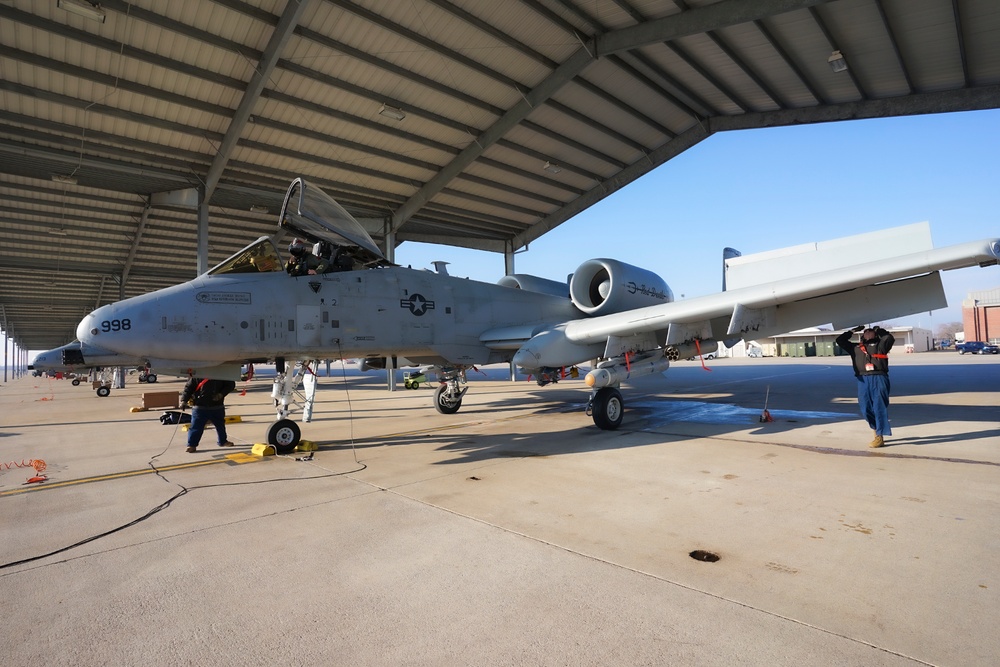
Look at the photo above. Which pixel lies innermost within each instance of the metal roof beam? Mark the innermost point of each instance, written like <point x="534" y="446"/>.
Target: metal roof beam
<point x="792" y="65"/>
<point x="475" y="65"/>
<point x="77" y="159"/>
<point x="966" y="99"/>
<point x="622" y="61"/>
<point x="183" y="68"/>
<point x="695" y="21"/>
<point x="125" y="50"/>
<point x="960" y="35"/>
<point x="279" y="38"/>
<point x="686" y="23"/>
<point x="69" y="264"/>
<point x="82" y="73"/>
<point x="644" y="165"/>
<point x="134" y="245"/>
<point x="899" y="55"/>
<point x="84" y="105"/>
<point x="926" y="103"/>
<point x="834" y="45"/>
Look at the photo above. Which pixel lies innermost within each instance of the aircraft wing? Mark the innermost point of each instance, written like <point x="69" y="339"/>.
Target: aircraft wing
<point x="863" y="278"/>
<point x="843" y="293"/>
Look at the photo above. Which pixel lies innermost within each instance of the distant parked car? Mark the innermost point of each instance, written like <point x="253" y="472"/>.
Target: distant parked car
<point x="976" y="347"/>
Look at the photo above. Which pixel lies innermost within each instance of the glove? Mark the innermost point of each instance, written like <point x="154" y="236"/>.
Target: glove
<point x="860" y="327"/>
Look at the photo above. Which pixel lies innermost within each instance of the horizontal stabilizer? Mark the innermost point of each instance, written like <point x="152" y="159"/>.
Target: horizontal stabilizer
<point x="810" y="258"/>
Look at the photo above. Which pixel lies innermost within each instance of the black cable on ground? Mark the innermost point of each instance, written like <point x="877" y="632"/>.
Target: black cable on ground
<point x="165" y="504"/>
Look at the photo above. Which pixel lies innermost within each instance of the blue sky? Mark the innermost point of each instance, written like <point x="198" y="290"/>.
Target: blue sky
<point x="758" y="190"/>
<point x="764" y="189"/>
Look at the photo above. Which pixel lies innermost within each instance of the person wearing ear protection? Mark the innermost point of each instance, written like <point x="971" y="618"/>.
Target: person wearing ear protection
<point x="870" y="357"/>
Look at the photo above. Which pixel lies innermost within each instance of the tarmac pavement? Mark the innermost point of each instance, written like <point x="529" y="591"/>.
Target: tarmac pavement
<point x="513" y="532"/>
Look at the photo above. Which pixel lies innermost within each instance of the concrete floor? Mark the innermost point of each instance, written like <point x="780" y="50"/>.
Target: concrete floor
<point x="514" y="532"/>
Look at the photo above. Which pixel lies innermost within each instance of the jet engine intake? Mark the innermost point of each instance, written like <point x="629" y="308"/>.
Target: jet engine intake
<point x="605" y="286"/>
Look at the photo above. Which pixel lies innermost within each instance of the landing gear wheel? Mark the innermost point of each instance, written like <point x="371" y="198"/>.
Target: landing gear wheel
<point x="608" y="409"/>
<point x="103" y="391"/>
<point x="445" y="404"/>
<point x="151" y="378"/>
<point x="76" y="382"/>
<point x="284" y="435"/>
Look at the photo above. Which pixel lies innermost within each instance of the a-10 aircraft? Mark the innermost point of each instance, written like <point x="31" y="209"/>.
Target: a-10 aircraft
<point x="621" y="318"/>
<point x="74" y="357"/>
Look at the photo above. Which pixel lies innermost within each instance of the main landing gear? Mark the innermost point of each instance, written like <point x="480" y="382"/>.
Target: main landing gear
<point x="607" y="408"/>
<point x="448" y="396"/>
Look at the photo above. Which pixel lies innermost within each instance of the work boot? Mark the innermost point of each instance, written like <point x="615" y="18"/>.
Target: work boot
<point x="877" y="442"/>
<point x="191" y="450"/>
<point x="227" y="443"/>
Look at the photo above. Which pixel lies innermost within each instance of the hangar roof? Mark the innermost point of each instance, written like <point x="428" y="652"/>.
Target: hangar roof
<point x="461" y="122"/>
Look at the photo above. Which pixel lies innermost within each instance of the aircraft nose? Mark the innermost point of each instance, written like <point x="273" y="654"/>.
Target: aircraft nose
<point x="85" y="330"/>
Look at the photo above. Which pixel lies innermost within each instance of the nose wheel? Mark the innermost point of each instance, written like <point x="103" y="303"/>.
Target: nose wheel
<point x="284" y="434"/>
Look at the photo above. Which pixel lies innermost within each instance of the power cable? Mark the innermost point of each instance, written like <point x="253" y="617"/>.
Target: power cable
<point x="185" y="490"/>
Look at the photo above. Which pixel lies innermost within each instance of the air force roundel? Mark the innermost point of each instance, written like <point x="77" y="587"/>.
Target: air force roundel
<point x="417" y="304"/>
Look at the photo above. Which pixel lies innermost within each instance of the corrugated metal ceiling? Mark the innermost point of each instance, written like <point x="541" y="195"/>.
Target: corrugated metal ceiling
<point x="164" y="97"/>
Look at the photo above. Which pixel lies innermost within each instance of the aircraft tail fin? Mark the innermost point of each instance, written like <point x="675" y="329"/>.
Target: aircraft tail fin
<point x="728" y="254"/>
<point x="811" y="258"/>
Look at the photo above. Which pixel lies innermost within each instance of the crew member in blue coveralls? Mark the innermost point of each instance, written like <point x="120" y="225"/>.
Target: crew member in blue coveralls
<point x="871" y="367"/>
<point x="207" y="399"/>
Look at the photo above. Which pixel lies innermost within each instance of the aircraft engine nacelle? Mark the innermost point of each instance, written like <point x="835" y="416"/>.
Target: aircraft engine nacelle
<point x="605" y="286"/>
<point x="531" y="283"/>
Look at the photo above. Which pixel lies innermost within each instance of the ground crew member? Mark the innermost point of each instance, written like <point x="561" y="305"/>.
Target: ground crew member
<point x="871" y="367"/>
<point x="207" y="399"/>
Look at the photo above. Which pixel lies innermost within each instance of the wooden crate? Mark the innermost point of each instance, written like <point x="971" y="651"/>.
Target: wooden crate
<point x="160" y="399"/>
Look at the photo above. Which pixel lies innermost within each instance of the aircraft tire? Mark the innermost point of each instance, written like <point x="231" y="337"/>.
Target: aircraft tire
<point x="443" y="404"/>
<point x="608" y="409"/>
<point x="76" y="382"/>
<point x="284" y="434"/>
<point x="103" y="391"/>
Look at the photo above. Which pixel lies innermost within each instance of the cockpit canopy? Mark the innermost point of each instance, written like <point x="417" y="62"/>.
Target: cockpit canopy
<point x="314" y="215"/>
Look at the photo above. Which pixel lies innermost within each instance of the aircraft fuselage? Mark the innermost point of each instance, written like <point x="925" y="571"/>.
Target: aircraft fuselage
<point x="389" y="311"/>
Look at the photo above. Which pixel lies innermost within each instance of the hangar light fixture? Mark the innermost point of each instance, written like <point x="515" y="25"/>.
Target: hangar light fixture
<point x="62" y="178"/>
<point x="837" y="62"/>
<point x="392" y="112"/>
<point x="257" y="208"/>
<point x="552" y="168"/>
<point x="87" y="10"/>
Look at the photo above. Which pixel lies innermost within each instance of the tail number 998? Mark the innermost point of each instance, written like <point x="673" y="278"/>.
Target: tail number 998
<point x="116" y="325"/>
